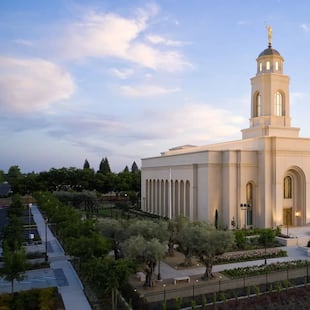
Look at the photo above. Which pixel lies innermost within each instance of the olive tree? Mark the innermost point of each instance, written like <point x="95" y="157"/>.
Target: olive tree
<point x="187" y="238"/>
<point x="208" y="243"/>
<point x="175" y="229"/>
<point x="115" y="230"/>
<point x="147" y="252"/>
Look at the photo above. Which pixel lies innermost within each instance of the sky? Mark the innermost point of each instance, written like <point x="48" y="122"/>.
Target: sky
<point x="89" y="79"/>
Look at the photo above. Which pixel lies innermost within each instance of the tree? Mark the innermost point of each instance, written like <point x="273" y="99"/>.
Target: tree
<point x="14" y="264"/>
<point x="134" y="167"/>
<point x="13" y="233"/>
<point x="208" y="243"/>
<point x="126" y="170"/>
<point x="86" y="164"/>
<point x="186" y="239"/>
<point x="86" y="247"/>
<point x="2" y="176"/>
<point x="148" y="252"/>
<point x="108" y="274"/>
<point x="266" y="236"/>
<point x="149" y="229"/>
<point x="104" y="166"/>
<point x="115" y="231"/>
<point x="175" y="227"/>
<point x="15" y="177"/>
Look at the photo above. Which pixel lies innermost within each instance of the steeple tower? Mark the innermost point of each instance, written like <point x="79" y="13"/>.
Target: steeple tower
<point x="270" y="102"/>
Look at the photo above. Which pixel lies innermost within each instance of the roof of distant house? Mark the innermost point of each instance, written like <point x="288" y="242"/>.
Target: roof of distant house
<point x="5" y="189"/>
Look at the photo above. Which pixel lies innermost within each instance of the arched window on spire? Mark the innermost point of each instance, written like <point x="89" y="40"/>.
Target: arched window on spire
<point x="278" y="104"/>
<point x="287" y="187"/>
<point x="257" y="105"/>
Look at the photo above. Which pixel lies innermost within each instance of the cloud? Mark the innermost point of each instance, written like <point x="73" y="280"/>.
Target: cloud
<point x="156" y="39"/>
<point x="102" y="35"/>
<point x="146" y="91"/>
<point x="305" y="27"/>
<point x="27" y="85"/>
<point x="147" y="133"/>
<point x="23" y="42"/>
<point x="122" y="73"/>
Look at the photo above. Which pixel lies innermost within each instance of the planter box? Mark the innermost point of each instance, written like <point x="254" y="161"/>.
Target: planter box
<point x="306" y="250"/>
<point x="287" y="241"/>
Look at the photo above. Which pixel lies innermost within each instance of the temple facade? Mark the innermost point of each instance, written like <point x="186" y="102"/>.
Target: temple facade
<point x="261" y="180"/>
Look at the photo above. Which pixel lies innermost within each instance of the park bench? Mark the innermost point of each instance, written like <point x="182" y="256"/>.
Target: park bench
<point x="185" y="278"/>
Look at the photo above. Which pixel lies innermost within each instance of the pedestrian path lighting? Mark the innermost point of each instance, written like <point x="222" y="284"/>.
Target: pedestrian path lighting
<point x="245" y="207"/>
<point x="31" y="236"/>
<point x="194" y="288"/>
<point x="164" y="286"/>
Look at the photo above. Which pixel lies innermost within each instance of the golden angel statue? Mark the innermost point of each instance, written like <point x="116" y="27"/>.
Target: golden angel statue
<point x="269" y="31"/>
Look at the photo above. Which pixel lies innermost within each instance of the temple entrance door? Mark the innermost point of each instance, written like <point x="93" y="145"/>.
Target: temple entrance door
<point x="288" y="216"/>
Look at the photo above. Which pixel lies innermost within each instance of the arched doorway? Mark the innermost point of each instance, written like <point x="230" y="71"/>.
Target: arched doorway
<point x="294" y="197"/>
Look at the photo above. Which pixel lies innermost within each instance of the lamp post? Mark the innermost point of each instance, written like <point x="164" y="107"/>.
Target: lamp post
<point x="164" y="286"/>
<point x="46" y="256"/>
<point x="29" y="222"/>
<point x="159" y="275"/>
<point x="245" y="207"/>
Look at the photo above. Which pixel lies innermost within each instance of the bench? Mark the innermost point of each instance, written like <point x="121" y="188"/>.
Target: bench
<point x="185" y="278"/>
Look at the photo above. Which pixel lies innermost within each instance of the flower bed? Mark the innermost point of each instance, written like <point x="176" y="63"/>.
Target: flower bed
<point x="248" y="256"/>
<point x="262" y="269"/>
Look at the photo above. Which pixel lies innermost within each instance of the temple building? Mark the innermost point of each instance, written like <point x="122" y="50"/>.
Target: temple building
<point x="261" y="180"/>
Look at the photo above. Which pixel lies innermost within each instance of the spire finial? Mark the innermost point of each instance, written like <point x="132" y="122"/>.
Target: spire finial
<point x="269" y="32"/>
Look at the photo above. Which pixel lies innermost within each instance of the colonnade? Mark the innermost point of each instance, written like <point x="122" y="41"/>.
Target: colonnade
<point x="168" y="198"/>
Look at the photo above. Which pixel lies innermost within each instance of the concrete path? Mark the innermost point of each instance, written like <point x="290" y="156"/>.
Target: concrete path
<point x="68" y="282"/>
<point x="60" y="274"/>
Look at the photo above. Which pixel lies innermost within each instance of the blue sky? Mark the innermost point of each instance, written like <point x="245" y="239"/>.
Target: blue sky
<point x="129" y="79"/>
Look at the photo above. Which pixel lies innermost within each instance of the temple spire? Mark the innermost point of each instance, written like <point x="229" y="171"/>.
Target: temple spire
<point x="269" y="32"/>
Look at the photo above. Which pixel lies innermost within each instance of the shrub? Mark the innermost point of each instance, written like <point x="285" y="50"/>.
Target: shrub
<point x="240" y="239"/>
<point x="266" y="236"/>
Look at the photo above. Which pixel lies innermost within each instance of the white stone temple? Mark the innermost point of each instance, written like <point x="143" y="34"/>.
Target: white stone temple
<point x="261" y="180"/>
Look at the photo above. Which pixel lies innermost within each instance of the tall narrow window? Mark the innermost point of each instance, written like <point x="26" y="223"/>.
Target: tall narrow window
<point x="260" y="67"/>
<point x="277" y="65"/>
<point x="268" y="65"/>
<point x="278" y="104"/>
<point x="287" y="187"/>
<point x="258" y="106"/>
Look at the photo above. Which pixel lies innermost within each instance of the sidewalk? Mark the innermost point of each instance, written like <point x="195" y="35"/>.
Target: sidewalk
<point x="60" y="274"/>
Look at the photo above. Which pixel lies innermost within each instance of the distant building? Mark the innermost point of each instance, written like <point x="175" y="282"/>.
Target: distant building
<point x="5" y="190"/>
<point x="261" y="180"/>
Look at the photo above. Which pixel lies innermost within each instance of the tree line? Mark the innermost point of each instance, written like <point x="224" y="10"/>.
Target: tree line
<point x="76" y="179"/>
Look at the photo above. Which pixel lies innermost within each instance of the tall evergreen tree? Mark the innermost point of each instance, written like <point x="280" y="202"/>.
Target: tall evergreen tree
<point x="104" y="166"/>
<point x="134" y="167"/>
<point x="126" y="169"/>
<point x="86" y="164"/>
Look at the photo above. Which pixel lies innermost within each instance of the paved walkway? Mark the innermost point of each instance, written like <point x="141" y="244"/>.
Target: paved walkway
<point x="60" y="274"/>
